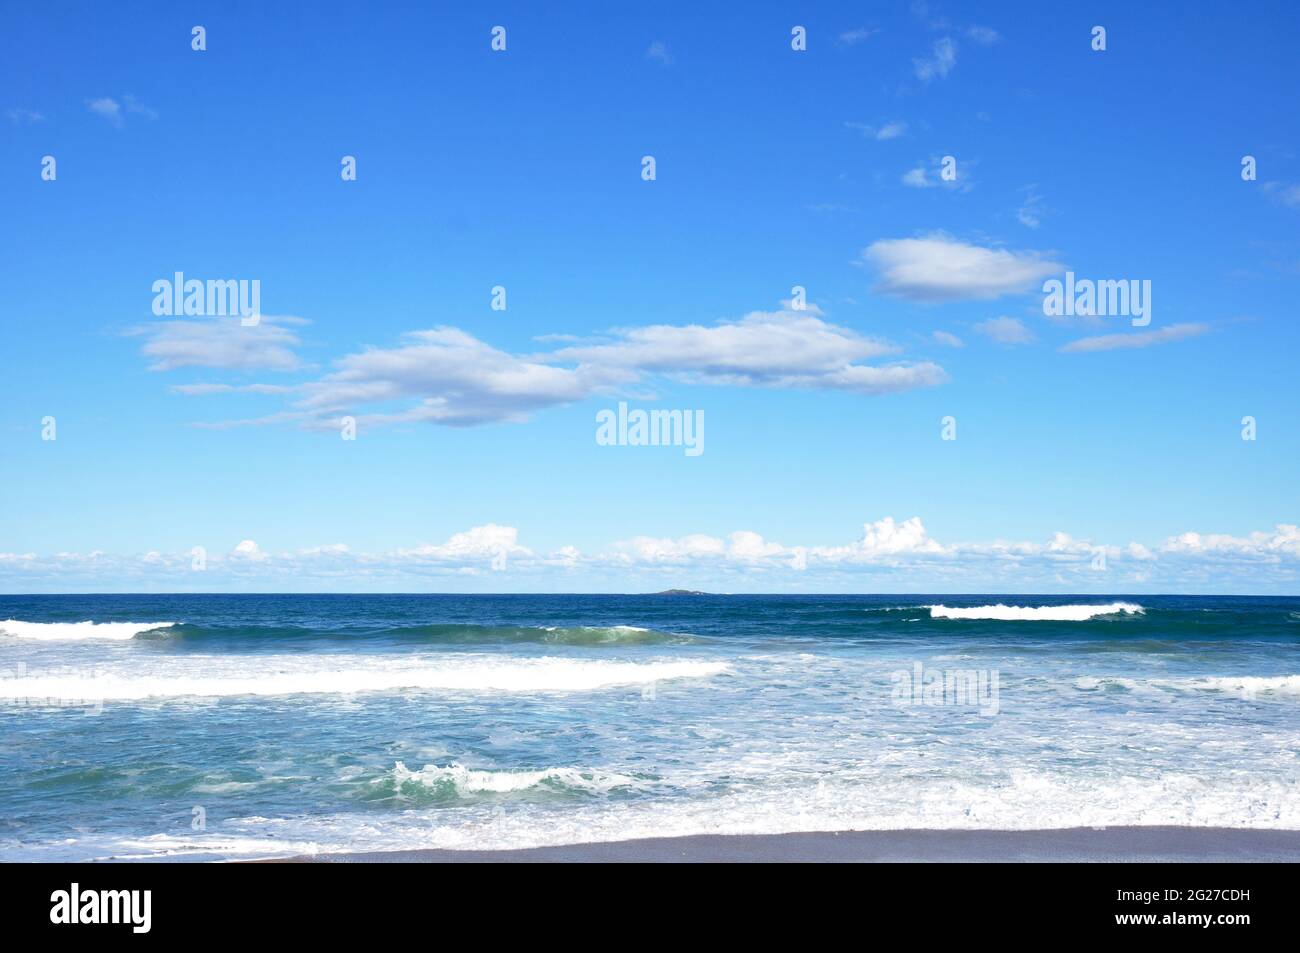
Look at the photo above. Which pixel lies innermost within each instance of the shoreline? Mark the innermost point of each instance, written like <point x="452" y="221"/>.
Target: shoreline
<point x="1165" y="844"/>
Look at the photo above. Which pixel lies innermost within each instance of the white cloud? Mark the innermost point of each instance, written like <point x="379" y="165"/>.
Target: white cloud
<point x="648" y="549"/>
<point x="787" y="304"/>
<point x="116" y="112"/>
<point x="942" y="58"/>
<point x="1286" y="193"/>
<point x="762" y="349"/>
<point x="658" y="51"/>
<point x="221" y="343"/>
<point x="24" y="116"/>
<point x="883" y="538"/>
<point x="107" y="107"/>
<point x="939" y="268"/>
<point x="886" y="549"/>
<point x="1132" y="339"/>
<point x="1031" y="211"/>
<point x="930" y="176"/>
<point x="984" y="35"/>
<point x="1283" y="540"/>
<point x="918" y="178"/>
<point x="946" y="339"/>
<point x="1006" y="330"/>
<point x="247" y="549"/>
<point x="201" y="390"/>
<point x="330" y="549"/>
<point x="137" y="108"/>
<point x="889" y="130"/>
<point x="487" y="542"/>
<point x="854" y="37"/>
<point x="456" y="379"/>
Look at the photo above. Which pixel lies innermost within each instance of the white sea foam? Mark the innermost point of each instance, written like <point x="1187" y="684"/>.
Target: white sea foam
<point x="60" y="631"/>
<point x="1002" y="613"/>
<point x="519" y="675"/>
<point x="597" y="628"/>
<point x="1020" y="800"/>
<point x="470" y="781"/>
<point x="1242" y="686"/>
<point x="1250" y="685"/>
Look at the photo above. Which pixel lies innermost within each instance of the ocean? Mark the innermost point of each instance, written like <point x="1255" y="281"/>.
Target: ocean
<point x="206" y="727"/>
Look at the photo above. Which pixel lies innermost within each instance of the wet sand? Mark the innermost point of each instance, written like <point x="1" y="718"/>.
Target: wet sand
<point x="1082" y="844"/>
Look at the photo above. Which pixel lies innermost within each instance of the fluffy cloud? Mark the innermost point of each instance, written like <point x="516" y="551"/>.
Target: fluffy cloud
<point x="448" y="376"/>
<point x="221" y="343"/>
<point x="939" y="268"/>
<point x="247" y="549"/>
<point x="1283" y="541"/>
<point x="1111" y="342"/>
<point x="106" y="107"/>
<point x="648" y="549"/>
<point x="490" y="542"/>
<point x="762" y="349"/>
<point x="901" y="551"/>
<point x="116" y="112"/>
<point x="457" y="379"/>
<point x="882" y="539"/>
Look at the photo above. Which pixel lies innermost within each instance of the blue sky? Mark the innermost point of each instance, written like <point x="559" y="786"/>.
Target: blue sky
<point x="775" y="168"/>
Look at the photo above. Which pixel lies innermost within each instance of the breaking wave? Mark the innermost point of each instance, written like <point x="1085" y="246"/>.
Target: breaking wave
<point x="462" y="780"/>
<point x="76" y="631"/>
<point x="1003" y="613"/>
<point x="438" y="633"/>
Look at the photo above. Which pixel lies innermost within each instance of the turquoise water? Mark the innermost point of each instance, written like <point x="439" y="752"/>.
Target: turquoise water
<point x="216" y="726"/>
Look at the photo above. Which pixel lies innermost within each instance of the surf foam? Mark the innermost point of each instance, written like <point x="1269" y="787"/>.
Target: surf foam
<point x="535" y="675"/>
<point x="1020" y="801"/>
<point x="1248" y="687"/>
<point x="57" y="631"/>
<point x="469" y="781"/>
<point x="1003" y="613"/>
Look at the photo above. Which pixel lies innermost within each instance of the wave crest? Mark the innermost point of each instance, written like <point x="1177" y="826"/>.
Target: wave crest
<point x="1004" y="613"/>
<point x="437" y="633"/>
<point x="461" y="780"/>
<point x="77" y="631"/>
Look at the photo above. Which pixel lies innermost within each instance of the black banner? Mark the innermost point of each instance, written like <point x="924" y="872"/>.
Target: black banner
<point x="301" y="902"/>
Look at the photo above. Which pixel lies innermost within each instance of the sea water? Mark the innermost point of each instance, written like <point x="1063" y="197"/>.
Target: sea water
<point x="239" y="726"/>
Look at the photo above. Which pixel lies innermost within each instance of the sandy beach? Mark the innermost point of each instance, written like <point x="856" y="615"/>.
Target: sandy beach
<point x="1072" y="845"/>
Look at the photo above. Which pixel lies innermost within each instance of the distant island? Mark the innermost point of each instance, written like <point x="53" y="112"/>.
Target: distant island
<point x="681" y="592"/>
